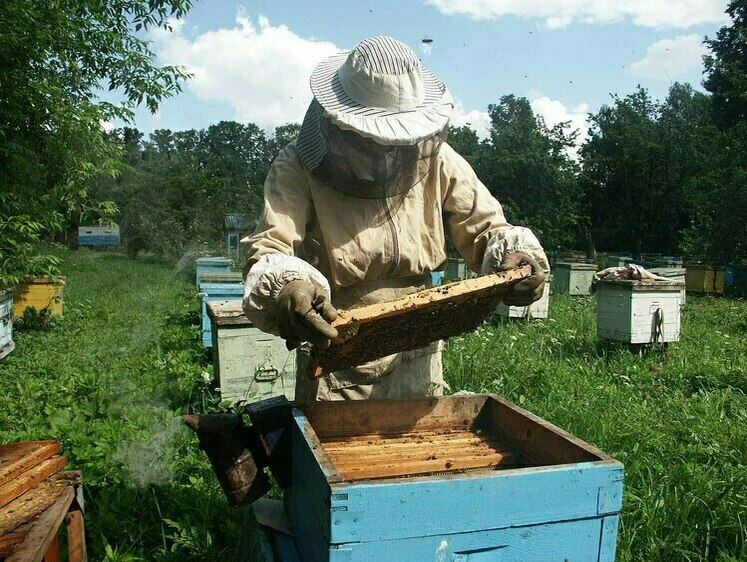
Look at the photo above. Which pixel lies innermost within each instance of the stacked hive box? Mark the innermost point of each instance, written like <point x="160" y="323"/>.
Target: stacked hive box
<point x="573" y="278"/>
<point x="639" y="312"/>
<point x="213" y="292"/>
<point x="213" y="265"/>
<point x="98" y="236"/>
<point x="704" y="279"/>
<point x="6" y="322"/>
<point x="249" y="364"/>
<point x="455" y="478"/>
<point x="41" y="293"/>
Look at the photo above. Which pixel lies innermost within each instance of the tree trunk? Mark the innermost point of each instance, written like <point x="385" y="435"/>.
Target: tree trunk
<point x="591" y="250"/>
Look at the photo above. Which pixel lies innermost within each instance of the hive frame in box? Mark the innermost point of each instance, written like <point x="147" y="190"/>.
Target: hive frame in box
<point x="568" y="505"/>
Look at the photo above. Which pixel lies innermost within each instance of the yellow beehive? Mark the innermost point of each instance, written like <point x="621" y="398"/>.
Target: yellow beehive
<point x="40" y="293"/>
<point x="704" y="279"/>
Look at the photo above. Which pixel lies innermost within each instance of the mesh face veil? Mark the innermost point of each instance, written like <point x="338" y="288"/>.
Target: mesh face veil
<point x="361" y="167"/>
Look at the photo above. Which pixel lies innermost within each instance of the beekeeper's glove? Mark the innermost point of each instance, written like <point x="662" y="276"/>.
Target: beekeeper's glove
<point x="304" y="314"/>
<point x="527" y="291"/>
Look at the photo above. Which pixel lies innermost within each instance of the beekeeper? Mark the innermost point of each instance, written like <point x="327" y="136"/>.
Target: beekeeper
<point x="357" y="210"/>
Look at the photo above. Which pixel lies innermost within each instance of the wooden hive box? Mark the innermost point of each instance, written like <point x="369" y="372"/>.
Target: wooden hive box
<point x="204" y="265"/>
<point x="249" y="363"/>
<point x="98" y="236"/>
<point x="212" y="292"/>
<point x="639" y="312"/>
<point x="41" y="293"/>
<point x="574" y="278"/>
<point x="6" y="322"/>
<point x="704" y="279"/>
<point x="455" y="478"/>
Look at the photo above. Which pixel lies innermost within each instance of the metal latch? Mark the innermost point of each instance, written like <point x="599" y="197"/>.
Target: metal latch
<point x="267" y="375"/>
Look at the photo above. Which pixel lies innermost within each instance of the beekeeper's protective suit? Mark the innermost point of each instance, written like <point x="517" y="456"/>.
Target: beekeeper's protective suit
<point x="357" y="210"/>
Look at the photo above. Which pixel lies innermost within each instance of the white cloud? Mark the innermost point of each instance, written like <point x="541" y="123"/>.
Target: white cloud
<point x="554" y="112"/>
<point x="261" y="70"/>
<point x="477" y="120"/>
<point x="557" y="14"/>
<point x="669" y="58"/>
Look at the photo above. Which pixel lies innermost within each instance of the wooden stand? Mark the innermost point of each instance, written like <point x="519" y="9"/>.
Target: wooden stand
<point x="35" y="499"/>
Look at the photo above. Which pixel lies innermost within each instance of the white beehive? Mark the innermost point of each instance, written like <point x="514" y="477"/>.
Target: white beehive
<point x="6" y="322"/>
<point x="639" y="311"/>
<point x="535" y="310"/>
<point x="249" y="364"/>
<point x="574" y="278"/>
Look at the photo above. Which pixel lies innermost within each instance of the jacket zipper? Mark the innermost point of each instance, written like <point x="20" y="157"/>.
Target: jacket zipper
<point x="395" y="240"/>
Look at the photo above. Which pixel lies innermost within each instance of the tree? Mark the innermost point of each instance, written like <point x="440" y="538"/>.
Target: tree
<point x="726" y="66"/>
<point x="527" y="166"/>
<point x="179" y="185"/>
<point x="55" y="56"/>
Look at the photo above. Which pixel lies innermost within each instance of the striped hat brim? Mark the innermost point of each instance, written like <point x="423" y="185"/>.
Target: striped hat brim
<point x="385" y="126"/>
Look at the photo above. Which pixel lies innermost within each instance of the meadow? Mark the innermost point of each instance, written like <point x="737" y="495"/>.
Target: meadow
<point x="109" y="379"/>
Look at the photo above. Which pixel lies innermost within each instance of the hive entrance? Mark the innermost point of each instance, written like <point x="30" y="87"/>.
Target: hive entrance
<point x="418" y="453"/>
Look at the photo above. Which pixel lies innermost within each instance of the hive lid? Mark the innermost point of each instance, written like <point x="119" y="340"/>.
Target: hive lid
<point x="645" y="284"/>
<point x="577" y="265"/>
<point x="213" y="261"/>
<point x="225" y="313"/>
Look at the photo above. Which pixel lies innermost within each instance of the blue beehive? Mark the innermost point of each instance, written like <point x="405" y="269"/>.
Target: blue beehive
<point x="211" y="292"/>
<point x="98" y="236"/>
<point x="735" y="276"/>
<point x="211" y="265"/>
<point x="458" y="478"/>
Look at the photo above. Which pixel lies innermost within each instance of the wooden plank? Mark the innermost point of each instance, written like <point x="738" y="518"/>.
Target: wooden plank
<point x="371" y="417"/>
<point x="17" y="458"/>
<point x="459" y="503"/>
<point x="29" y="505"/>
<point x="413" y="321"/>
<point x="31" y="478"/>
<point x="412" y="467"/>
<point x="76" y="536"/>
<point x="36" y="543"/>
<point x="549" y="541"/>
<point x="53" y="552"/>
<point x="540" y="441"/>
<point x="11" y="539"/>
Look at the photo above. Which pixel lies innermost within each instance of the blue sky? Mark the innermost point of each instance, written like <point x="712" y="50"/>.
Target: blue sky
<point x="251" y="60"/>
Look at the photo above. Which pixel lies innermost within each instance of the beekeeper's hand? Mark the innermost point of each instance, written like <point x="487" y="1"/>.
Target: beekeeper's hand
<point x="304" y="314"/>
<point x="527" y="291"/>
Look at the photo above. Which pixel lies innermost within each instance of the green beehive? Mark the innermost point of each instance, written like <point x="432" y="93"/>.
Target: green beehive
<point x="249" y="364"/>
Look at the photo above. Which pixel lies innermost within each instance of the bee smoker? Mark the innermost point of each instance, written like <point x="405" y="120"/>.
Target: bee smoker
<point x="240" y="454"/>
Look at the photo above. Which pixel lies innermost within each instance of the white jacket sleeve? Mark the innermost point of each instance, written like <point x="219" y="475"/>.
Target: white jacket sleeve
<point x="510" y="240"/>
<point x="267" y="278"/>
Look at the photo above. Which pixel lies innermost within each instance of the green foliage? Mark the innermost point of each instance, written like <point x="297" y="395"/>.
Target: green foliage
<point x="726" y="67"/>
<point x="679" y="426"/>
<point x="639" y="160"/>
<point x="56" y="55"/>
<point x="179" y="185"/>
<point x="528" y="167"/>
<point x="33" y="319"/>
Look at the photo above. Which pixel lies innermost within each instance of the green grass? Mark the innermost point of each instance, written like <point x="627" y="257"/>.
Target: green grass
<point x="109" y="379"/>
